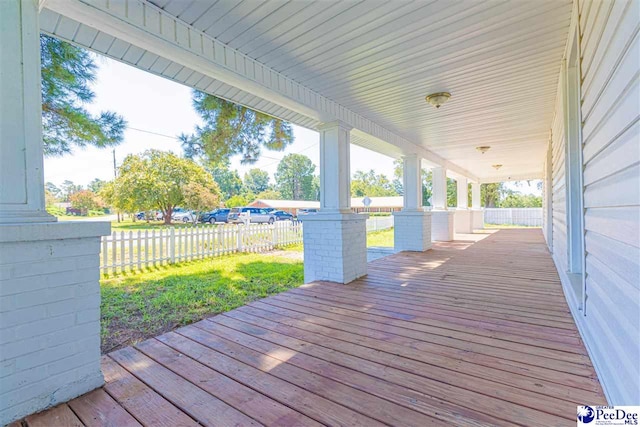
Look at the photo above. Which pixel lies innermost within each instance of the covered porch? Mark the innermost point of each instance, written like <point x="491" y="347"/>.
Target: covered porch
<point x="473" y="332"/>
<point x="469" y="331"/>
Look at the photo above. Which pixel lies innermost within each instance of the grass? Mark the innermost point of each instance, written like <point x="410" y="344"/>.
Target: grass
<point x="380" y="238"/>
<point x="142" y="306"/>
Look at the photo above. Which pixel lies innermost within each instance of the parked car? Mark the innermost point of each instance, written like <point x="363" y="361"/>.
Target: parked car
<point x="148" y="215"/>
<point x="307" y="211"/>
<point x="256" y="215"/>
<point x="184" y="216"/>
<point x="282" y="215"/>
<point x="216" y="215"/>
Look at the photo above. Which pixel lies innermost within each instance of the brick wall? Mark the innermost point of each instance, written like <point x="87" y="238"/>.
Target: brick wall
<point x="412" y="231"/>
<point x="335" y="247"/>
<point x="49" y="317"/>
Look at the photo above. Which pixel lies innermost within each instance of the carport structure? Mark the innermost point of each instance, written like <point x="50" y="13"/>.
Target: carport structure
<point x="550" y="86"/>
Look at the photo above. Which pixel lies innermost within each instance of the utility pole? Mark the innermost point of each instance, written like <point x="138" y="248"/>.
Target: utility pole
<point x="115" y="175"/>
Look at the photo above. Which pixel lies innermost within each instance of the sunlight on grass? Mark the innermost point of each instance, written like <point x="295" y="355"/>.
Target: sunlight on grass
<point x="145" y="305"/>
<point x="380" y="238"/>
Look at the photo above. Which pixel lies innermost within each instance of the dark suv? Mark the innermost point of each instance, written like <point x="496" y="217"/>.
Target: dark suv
<point x="216" y="215"/>
<point x="256" y="215"/>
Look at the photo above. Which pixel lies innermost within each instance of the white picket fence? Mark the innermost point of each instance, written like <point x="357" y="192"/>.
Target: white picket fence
<point x="514" y="216"/>
<point x="128" y="251"/>
<point x="378" y="223"/>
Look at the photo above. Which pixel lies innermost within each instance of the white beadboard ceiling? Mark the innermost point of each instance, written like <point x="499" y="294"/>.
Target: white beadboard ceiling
<point x="500" y="60"/>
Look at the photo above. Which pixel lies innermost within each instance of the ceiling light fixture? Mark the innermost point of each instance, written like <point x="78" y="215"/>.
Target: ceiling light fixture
<point x="437" y="99"/>
<point x="496" y="167"/>
<point x="483" y="148"/>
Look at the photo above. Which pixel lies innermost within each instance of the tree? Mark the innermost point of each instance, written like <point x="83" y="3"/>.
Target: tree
<point x="371" y="184"/>
<point x="67" y="72"/>
<point x="228" y="181"/>
<point x="269" y="195"/>
<point x="294" y="177"/>
<point x="53" y="190"/>
<point x="239" y="200"/>
<point x="86" y="200"/>
<point x="199" y="198"/>
<point x="96" y="185"/>
<point x="519" y="200"/>
<point x="232" y="129"/>
<point x="158" y="180"/>
<point x="256" y="180"/>
<point x="490" y="194"/>
<point x="49" y="198"/>
<point x="452" y="192"/>
<point x="69" y="188"/>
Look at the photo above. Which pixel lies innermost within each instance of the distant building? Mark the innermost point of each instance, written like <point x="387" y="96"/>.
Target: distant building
<point x="378" y="204"/>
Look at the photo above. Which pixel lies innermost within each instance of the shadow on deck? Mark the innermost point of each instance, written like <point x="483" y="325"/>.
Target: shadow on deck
<point x="473" y="332"/>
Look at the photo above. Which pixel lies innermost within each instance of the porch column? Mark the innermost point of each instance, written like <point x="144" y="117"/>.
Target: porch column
<point x="412" y="225"/>
<point x="442" y="220"/>
<point x="49" y="291"/>
<point x="335" y="239"/>
<point x="477" y="214"/>
<point x="462" y="215"/>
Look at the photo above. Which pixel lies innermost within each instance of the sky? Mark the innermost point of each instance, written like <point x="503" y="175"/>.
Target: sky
<point x="157" y="110"/>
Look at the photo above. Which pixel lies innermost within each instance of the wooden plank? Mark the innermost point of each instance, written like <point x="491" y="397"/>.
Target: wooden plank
<point x="191" y="399"/>
<point x="254" y="404"/>
<point x="139" y="400"/>
<point x="454" y="372"/>
<point x="359" y="300"/>
<point x="60" y="416"/>
<point x="565" y="362"/>
<point x="379" y="409"/>
<point x="297" y="398"/>
<point x="98" y="409"/>
<point x="524" y="335"/>
<point x="407" y="389"/>
<point x="358" y="379"/>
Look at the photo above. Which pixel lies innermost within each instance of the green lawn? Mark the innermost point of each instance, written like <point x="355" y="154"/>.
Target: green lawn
<point x="380" y="238"/>
<point x="144" y="305"/>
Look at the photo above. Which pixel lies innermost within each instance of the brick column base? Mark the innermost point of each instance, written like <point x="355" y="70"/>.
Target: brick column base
<point x="412" y="230"/>
<point x="49" y="314"/>
<point x="335" y="247"/>
<point x="477" y="219"/>
<point x="442" y="225"/>
<point x="462" y="221"/>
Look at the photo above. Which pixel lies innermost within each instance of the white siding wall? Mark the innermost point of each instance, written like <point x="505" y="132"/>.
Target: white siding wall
<point x="610" y="108"/>
<point x="610" y="95"/>
<point x="558" y="199"/>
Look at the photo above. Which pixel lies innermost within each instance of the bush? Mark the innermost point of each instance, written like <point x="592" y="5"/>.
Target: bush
<point x="56" y="211"/>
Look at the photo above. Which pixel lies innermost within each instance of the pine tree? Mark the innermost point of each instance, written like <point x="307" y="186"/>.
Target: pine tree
<point x="232" y="129"/>
<point x="67" y="72"/>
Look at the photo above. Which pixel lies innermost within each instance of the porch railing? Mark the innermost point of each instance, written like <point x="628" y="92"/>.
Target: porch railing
<point x="514" y="216"/>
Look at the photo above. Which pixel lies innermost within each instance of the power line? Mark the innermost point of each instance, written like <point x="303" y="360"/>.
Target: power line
<point x="178" y="139"/>
<point x="154" y="133"/>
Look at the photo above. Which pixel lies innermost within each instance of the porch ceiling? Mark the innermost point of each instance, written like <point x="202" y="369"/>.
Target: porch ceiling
<point x="499" y="59"/>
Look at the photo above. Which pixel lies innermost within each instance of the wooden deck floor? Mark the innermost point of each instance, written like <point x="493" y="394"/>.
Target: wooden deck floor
<point x="469" y="333"/>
